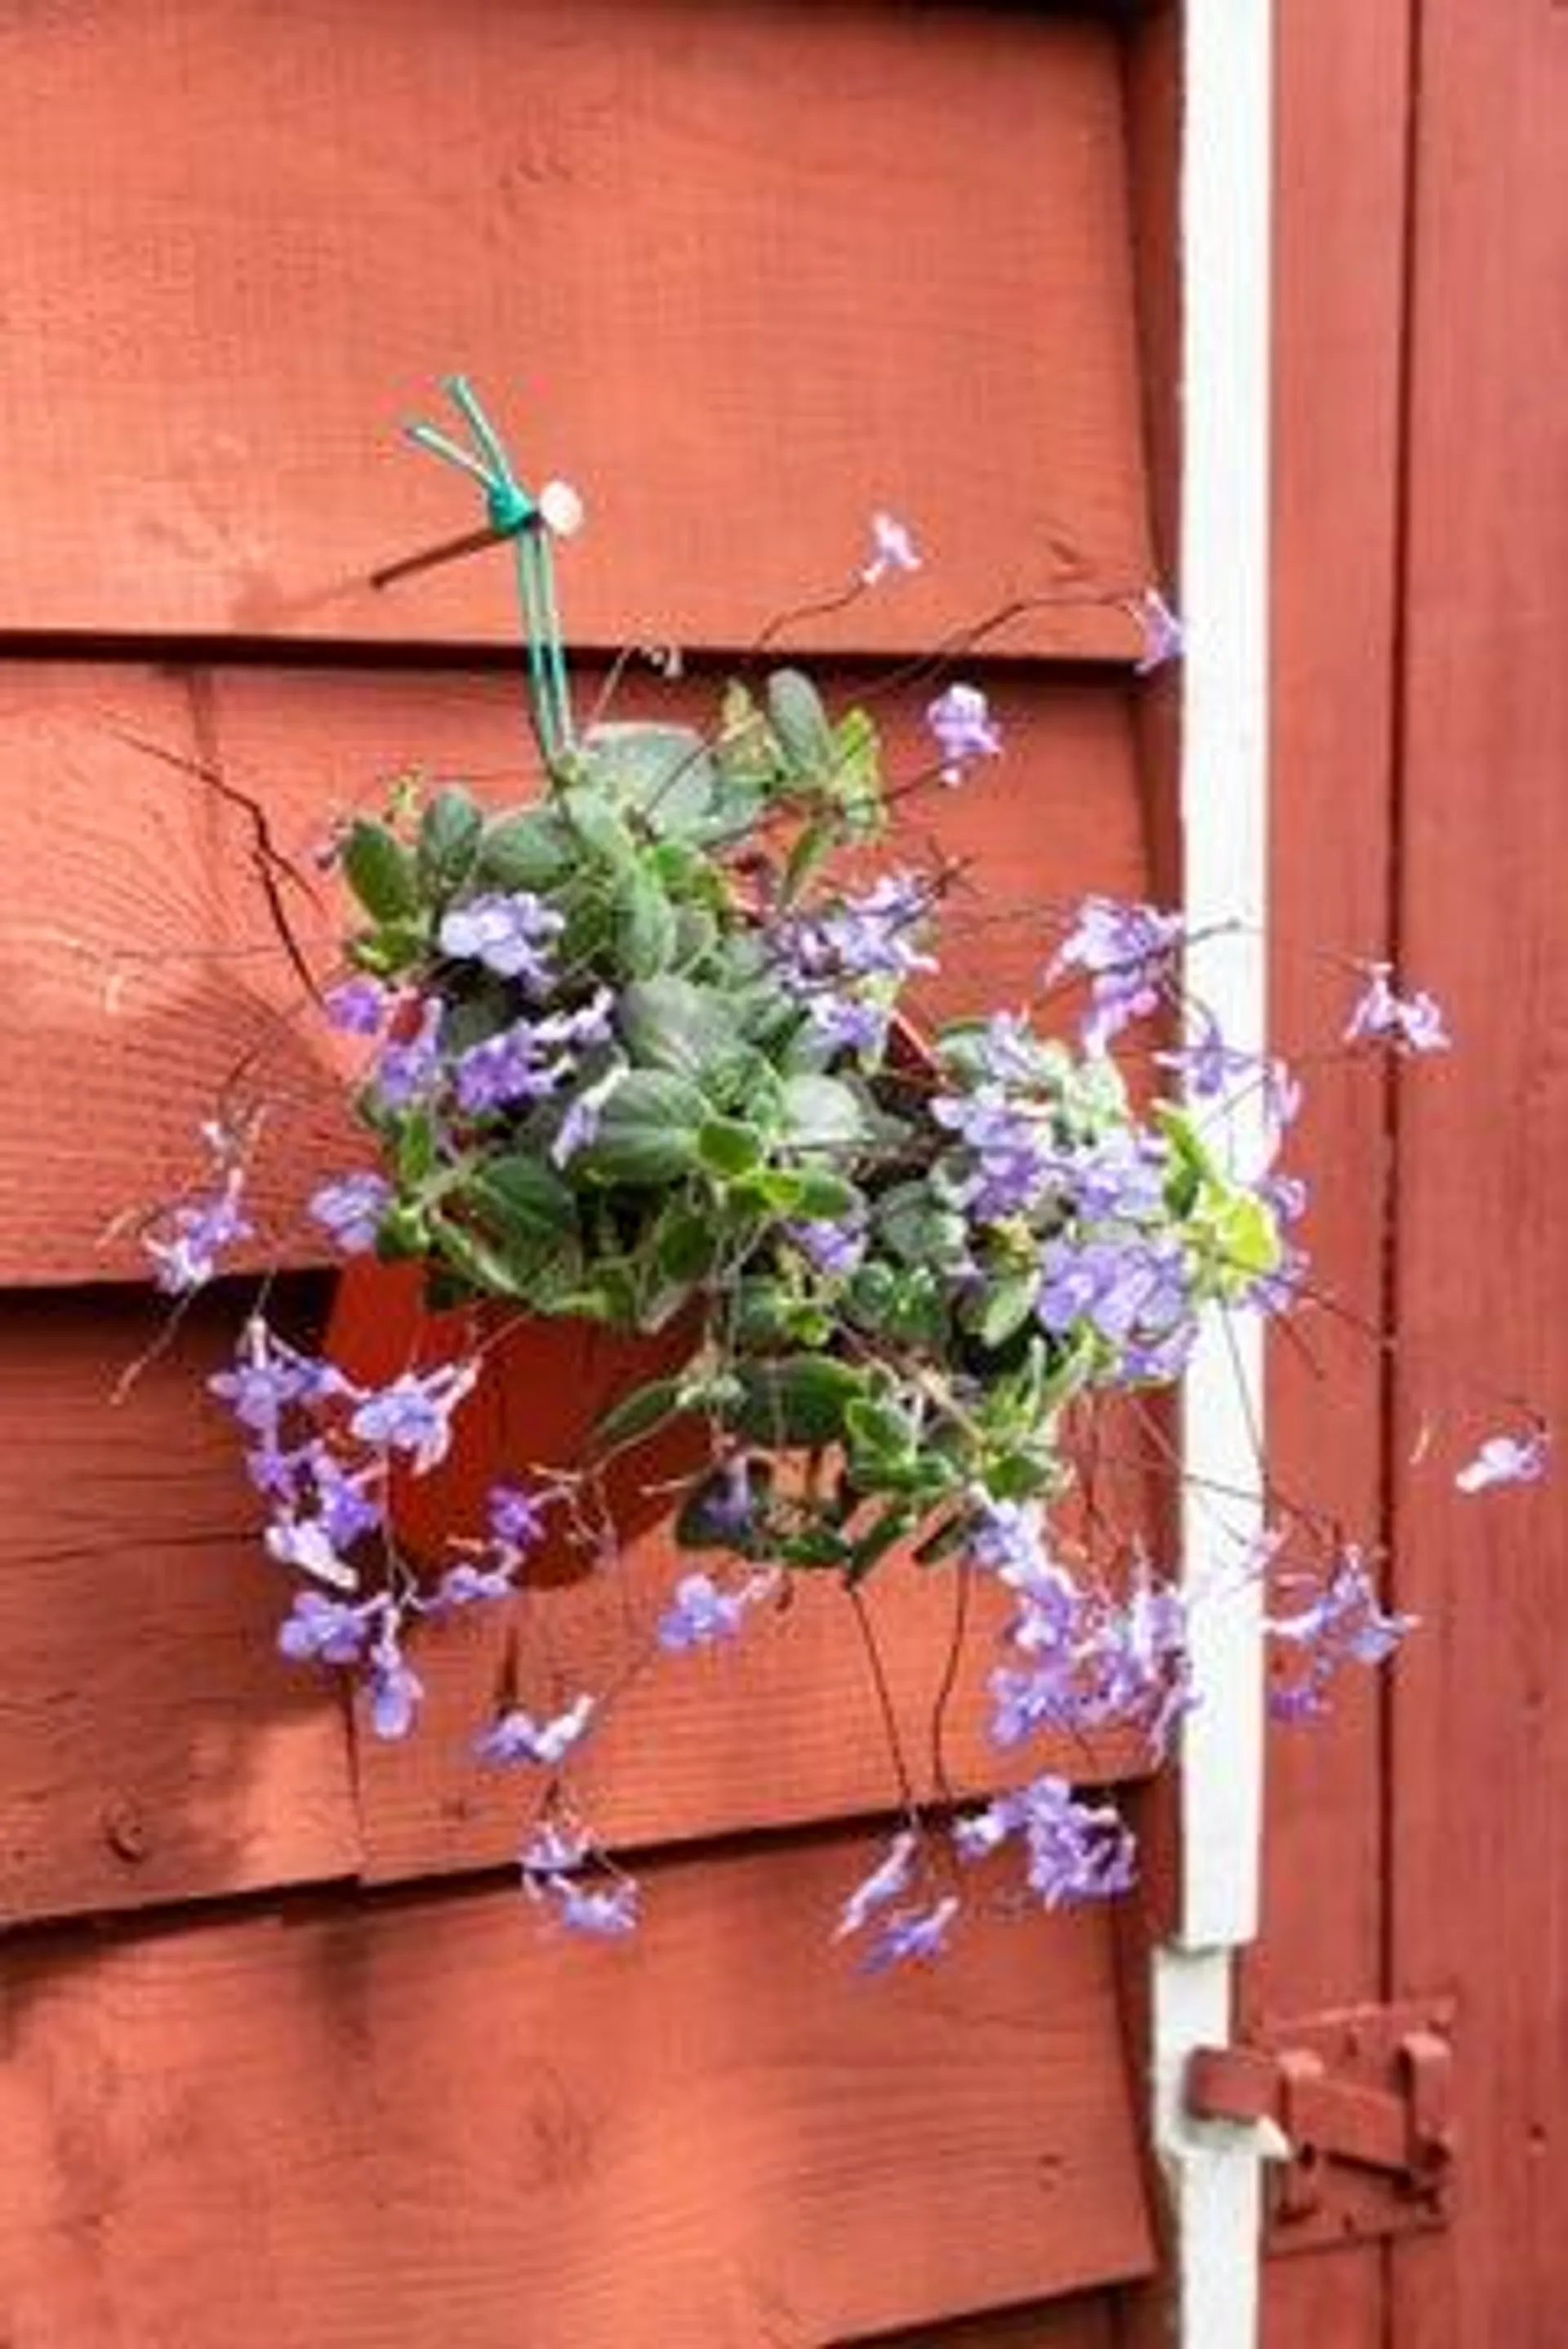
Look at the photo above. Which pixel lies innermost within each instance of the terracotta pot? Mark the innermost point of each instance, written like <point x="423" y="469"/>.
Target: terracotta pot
<point x="543" y="1387"/>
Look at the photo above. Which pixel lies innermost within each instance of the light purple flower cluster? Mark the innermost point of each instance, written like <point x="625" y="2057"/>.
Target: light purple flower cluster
<point x="1412" y="1022"/>
<point x="185" y="1244"/>
<point x="1345" y="1622"/>
<point x="351" y="1207"/>
<point x="1131" y="1292"/>
<point x="845" y="961"/>
<point x="1011" y="1156"/>
<point x="1129" y="953"/>
<point x="1505" y="1460"/>
<point x="1086" y="1659"/>
<point x="893" y="549"/>
<point x="1076" y="1851"/>
<point x="530" y="1060"/>
<point x="509" y="934"/>
<point x="603" y="1908"/>
<point x="832" y="1249"/>
<point x="515" y="1736"/>
<point x="964" y="729"/>
<point x="408" y="1070"/>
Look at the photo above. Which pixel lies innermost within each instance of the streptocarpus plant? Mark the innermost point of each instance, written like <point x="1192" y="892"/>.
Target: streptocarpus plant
<point x="639" y="1053"/>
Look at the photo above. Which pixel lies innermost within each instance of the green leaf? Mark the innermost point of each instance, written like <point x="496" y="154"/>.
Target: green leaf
<point x="468" y="1252"/>
<point x="528" y="850"/>
<point x="821" y="1197"/>
<point x="685" y="1244"/>
<point x="800" y="723"/>
<point x="525" y="1199"/>
<point x="671" y="1023"/>
<point x="856" y="774"/>
<point x="665" y="772"/>
<point x="645" y="928"/>
<point x="878" y="1430"/>
<point x="647" y="1130"/>
<point x="799" y="1401"/>
<point x="728" y="1148"/>
<point x="593" y="829"/>
<point x="449" y="834"/>
<point x="823" y="1113"/>
<point x="1008" y="1303"/>
<point x="380" y="871"/>
<point x="415" y="1148"/>
<point x="639" y="1414"/>
<point x="918" y="1229"/>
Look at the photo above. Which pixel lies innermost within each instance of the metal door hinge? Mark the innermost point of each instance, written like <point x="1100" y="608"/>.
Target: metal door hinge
<point x="1362" y="2099"/>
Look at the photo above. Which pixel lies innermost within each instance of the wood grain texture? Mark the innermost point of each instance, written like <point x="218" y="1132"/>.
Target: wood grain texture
<point x="348" y="2126"/>
<point x="1481" y="1725"/>
<point x="1340" y="249"/>
<point x="1340" y="257"/>
<point x="672" y="247"/>
<point x="151" y="1748"/>
<point x="154" y="1748"/>
<point x="142" y="968"/>
<point x="1087" y="2320"/>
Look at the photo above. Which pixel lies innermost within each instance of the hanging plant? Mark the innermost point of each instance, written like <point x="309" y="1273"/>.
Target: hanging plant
<point x="673" y="1209"/>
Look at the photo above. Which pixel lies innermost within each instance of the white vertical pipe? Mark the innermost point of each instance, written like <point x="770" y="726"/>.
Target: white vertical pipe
<point x="1213" y="2171"/>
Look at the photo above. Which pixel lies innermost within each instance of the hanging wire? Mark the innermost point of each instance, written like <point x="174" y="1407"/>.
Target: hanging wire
<point x="513" y="513"/>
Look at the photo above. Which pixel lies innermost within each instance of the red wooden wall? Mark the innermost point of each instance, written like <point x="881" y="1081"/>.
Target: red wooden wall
<point x="1420" y="734"/>
<point x="286" y="2064"/>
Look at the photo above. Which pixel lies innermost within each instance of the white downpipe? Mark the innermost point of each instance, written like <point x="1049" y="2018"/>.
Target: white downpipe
<point x="1213" y="2171"/>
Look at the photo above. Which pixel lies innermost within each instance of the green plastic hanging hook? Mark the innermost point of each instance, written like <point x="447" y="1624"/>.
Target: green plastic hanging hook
<point x="513" y="513"/>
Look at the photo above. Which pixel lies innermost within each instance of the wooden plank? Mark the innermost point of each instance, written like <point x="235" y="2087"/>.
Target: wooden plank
<point x="138" y="953"/>
<point x="150" y="1749"/>
<point x="1343" y="94"/>
<point x="671" y="245"/>
<point x="153" y="1747"/>
<point x="348" y="2125"/>
<point x="1479" y="1759"/>
<point x="1087" y="2320"/>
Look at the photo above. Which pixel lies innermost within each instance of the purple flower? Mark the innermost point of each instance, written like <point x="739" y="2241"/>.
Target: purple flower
<point x="1128" y="952"/>
<point x="912" y="1936"/>
<point x="1413" y="1022"/>
<point x="578" y="1127"/>
<point x="1077" y="1851"/>
<point x="1010" y="1142"/>
<point x="553" y="1849"/>
<point x="508" y="934"/>
<point x="1164" y="638"/>
<point x="1116" y="1286"/>
<point x="467" y="1585"/>
<point x="351" y="1209"/>
<point x="893" y="549"/>
<point x="700" y="1615"/>
<point x="517" y="1515"/>
<point x="355" y="1007"/>
<point x="515" y="1736"/>
<point x="1345" y="1623"/>
<point x="414" y="1415"/>
<point x="961" y="720"/>
<point x="832" y="1249"/>
<point x="505" y="1068"/>
<point x="608" y="1914"/>
<point x="268" y="1379"/>
<point x="186" y="1249"/>
<point x="325" y="1630"/>
<point x="1505" y="1460"/>
<point x="890" y="1876"/>
<point x="728" y="1505"/>
<point x="306" y="1545"/>
<point x="863" y="937"/>
<point x="409" y="1069"/>
<point x="396" y="1690"/>
<point x="848" y="1023"/>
